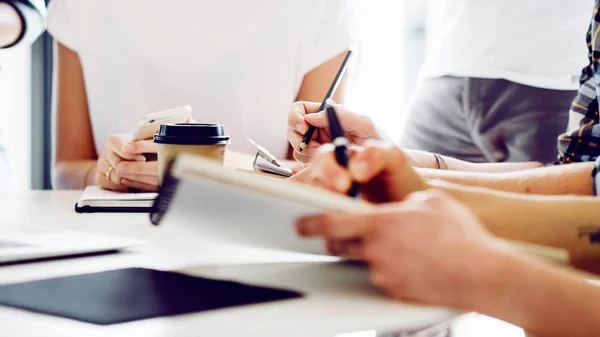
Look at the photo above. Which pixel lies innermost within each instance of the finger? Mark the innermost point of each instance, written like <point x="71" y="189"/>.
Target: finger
<point x="326" y="170"/>
<point x="140" y="146"/>
<point x="112" y="158"/>
<point x="108" y="171"/>
<point x="303" y="176"/>
<point x="295" y="139"/>
<point x="149" y="180"/>
<point x="305" y="108"/>
<point x="137" y="168"/>
<point x="297" y="168"/>
<point x="389" y="163"/>
<point x="351" y="249"/>
<point x="113" y="176"/>
<point x="350" y="121"/>
<point x="139" y="185"/>
<point x="333" y="247"/>
<point x="340" y="227"/>
<point x="296" y="118"/>
<point x="318" y="119"/>
<point x="116" y="144"/>
<point x="107" y="184"/>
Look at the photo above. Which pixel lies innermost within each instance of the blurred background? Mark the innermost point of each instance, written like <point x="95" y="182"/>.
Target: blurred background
<point x="391" y="45"/>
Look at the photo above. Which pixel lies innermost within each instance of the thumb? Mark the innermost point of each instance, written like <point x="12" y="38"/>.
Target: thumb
<point x="387" y="166"/>
<point x="318" y="119"/>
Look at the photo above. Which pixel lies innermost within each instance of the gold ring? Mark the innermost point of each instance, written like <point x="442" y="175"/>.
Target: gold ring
<point x="108" y="172"/>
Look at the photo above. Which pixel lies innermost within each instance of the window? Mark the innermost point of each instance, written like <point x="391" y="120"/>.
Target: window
<point x="391" y="44"/>
<point x="15" y="116"/>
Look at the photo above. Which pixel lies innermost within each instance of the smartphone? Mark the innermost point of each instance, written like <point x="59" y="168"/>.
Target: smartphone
<point x="152" y="122"/>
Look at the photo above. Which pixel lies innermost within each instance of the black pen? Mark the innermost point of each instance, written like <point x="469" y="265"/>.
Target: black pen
<point x="330" y="93"/>
<point x="339" y="140"/>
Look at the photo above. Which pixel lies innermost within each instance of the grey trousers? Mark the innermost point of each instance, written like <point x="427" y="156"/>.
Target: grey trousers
<point x="486" y="120"/>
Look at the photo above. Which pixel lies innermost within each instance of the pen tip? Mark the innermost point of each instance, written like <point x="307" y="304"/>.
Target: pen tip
<point x="302" y="146"/>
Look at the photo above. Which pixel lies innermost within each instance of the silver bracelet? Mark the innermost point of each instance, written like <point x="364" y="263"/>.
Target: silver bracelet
<point x="437" y="159"/>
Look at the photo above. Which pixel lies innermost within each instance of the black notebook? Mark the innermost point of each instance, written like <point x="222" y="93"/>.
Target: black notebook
<point x="96" y="200"/>
<point x="133" y="294"/>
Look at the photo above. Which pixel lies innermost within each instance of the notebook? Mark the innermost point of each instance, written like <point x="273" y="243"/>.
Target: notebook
<point x="95" y="199"/>
<point x="209" y="200"/>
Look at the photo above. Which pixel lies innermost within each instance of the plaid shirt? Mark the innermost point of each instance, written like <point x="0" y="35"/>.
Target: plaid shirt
<point x="581" y="142"/>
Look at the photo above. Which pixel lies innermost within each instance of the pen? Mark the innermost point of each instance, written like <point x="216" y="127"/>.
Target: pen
<point x="330" y="93"/>
<point x="342" y="154"/>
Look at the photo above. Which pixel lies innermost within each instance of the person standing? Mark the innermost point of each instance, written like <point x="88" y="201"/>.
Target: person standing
<point x="498" y="79"/>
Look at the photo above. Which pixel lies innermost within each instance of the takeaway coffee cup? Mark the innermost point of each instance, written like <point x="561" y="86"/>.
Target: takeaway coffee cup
<point x="208" y="140"/>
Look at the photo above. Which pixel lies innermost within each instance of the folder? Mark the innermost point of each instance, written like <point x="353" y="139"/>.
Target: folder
<point x="206" y="199"/>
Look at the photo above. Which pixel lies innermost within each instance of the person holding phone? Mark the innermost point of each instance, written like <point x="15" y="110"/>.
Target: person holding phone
<point x="235" y="62"/>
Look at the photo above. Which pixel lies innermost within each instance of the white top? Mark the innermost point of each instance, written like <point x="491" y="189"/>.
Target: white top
<point x="236" y="62"/>
<point x="538" y="43"/>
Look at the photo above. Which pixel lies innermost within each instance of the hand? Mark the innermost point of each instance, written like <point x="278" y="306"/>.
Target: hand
<point x="428" y="249"/>
<point x="359" y="128"/>
<point x="382" y="170"/>
<point x="130" y="170"/>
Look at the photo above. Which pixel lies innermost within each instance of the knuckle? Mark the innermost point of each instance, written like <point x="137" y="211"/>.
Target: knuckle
<point x="328" y="227"/>
<point x="434" y="200"/>
<point x="429" y="199"/>
<point x="126" y="168"/>
<point x="380" y="228"/>
<point x="364" y="121"/>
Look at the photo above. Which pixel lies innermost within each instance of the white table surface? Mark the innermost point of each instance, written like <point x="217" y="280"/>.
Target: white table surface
<point x="338" y="299"/>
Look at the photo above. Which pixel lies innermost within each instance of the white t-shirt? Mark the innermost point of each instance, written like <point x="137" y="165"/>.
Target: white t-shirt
<point x="239" y="63"/>
<point x="538" y="43"/>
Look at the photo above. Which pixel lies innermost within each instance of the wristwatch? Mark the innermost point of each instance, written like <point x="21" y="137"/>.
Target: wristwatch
<point x="596" y="177"/>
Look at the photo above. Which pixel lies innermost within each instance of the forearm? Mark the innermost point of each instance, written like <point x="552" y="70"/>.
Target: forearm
<point x="574" y="179"/>
<point x="74" y="174"/>
<point x="10" y="25"/>
<point x="424" y="159"/>
<point x="543" y="300"/>
<point x="547" y="220"/>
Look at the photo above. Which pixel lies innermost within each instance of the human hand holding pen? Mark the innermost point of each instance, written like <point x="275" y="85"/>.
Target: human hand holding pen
<point x="381" y="168"/>
<point x="340" y="142"/>
<point x="358" y="128"/>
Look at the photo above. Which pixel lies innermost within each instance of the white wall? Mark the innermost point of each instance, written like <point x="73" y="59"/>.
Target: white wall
<point x="15" y="113"/>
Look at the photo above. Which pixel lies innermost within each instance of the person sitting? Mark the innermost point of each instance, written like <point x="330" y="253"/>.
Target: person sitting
<point x="428" y="248"/>
<point x="237" y="63"/>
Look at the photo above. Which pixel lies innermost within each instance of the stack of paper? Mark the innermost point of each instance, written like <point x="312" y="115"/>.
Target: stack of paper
<point x="266" y="162"/>
<point x="261" y="164"/>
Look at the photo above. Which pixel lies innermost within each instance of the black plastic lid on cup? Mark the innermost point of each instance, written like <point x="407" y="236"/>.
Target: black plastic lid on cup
<point x="191" y="134"/>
